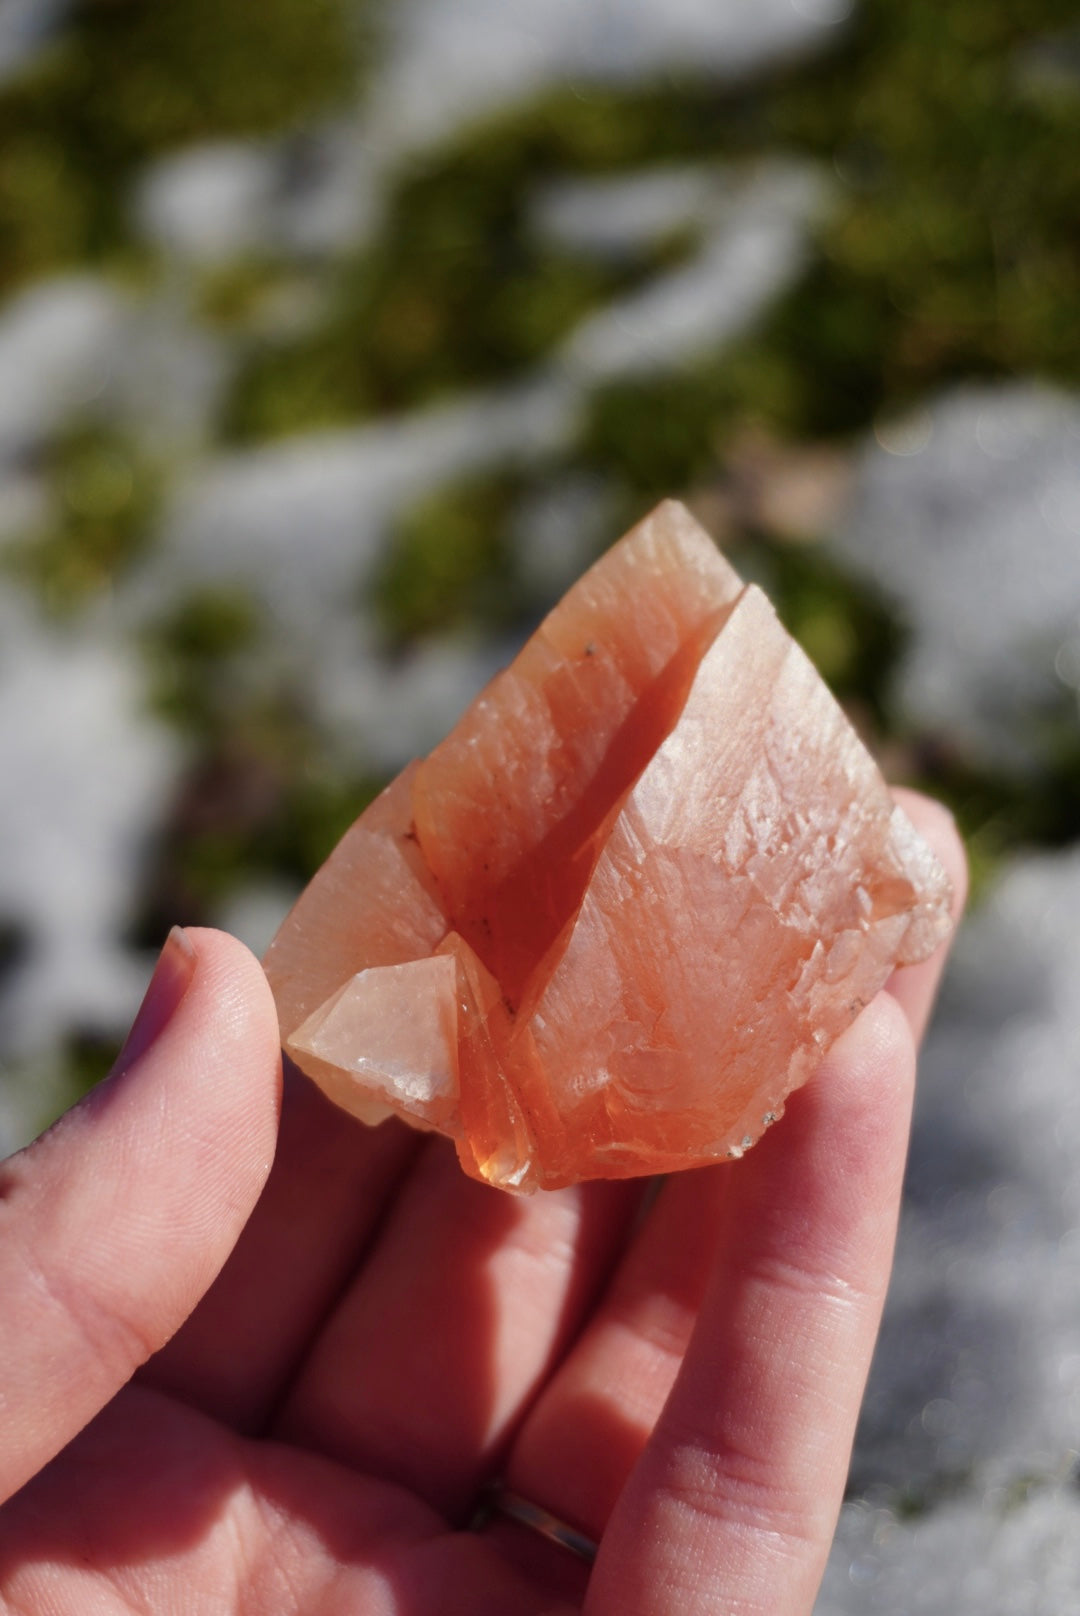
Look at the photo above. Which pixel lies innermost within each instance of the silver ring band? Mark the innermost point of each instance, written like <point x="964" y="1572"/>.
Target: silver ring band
<point x="502" y="1501"/>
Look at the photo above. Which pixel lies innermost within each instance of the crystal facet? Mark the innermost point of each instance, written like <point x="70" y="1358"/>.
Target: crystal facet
<point x="611" y="921"/>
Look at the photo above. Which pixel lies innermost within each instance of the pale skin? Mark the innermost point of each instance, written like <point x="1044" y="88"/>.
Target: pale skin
<point x="226" y="1387"/>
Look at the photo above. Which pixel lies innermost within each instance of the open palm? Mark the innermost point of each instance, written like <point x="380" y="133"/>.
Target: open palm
<point x="676" y="1375"/>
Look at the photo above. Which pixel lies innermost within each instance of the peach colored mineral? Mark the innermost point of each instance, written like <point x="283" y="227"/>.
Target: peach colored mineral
<point x="625" y="907"/>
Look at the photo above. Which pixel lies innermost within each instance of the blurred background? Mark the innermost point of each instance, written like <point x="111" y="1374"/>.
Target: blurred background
<point x="338" y="336"/>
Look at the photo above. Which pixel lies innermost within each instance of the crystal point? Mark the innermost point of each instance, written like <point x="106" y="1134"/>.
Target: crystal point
<point x="610" y="923"/>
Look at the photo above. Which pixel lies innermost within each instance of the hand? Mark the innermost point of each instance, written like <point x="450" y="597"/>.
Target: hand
<point x="385" y="1335"/>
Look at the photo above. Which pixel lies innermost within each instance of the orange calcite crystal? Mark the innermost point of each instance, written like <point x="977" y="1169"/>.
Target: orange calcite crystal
<point x="610" y="923"/>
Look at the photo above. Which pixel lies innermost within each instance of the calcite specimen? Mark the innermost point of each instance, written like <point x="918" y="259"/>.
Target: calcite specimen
<point x="610" y="923"/>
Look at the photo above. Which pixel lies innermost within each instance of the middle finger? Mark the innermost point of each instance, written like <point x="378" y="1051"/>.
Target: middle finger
<point x="592" y="1421"/>
<point x="467" y="1303"/>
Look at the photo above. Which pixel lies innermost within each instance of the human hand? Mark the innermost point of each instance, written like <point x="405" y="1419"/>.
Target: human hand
<point x="387" y="1335"/>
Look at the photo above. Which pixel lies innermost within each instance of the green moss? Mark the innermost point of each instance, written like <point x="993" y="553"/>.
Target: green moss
<point x="317" y="809"/>
<point x="952" y="251"/>
<point x="916" y="1499"/>
<point x="106" y="497"/>
<point x="458" y="293"/>
<point x="86" y="1058"/>
<point x="998" y="810"/>
<point x="654" y="436"/>
<point x="954" y="246"/>
<point x="191" y="655"/>
<point x="127" y="79"/>
<point x="263" y="798"/>
<point x="263" y="795"/>
<point x="229" y="295"/>
<point x="608" y="130"/>
<point x="853" y="637"/>
<point x="449" y="564"/>
<point x="460" y="290"/>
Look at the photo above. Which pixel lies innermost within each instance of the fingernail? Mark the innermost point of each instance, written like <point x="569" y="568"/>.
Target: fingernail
<point x="170" y="981"/>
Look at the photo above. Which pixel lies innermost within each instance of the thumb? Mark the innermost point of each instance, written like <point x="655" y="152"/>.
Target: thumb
<point x="115" y="1221"/>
